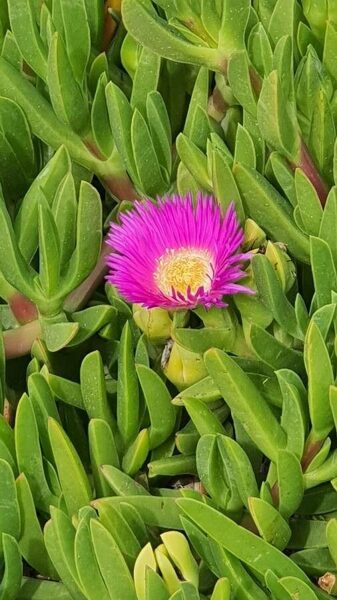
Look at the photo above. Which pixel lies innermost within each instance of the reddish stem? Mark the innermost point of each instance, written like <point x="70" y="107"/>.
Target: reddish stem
<point x="23" y="309"/>
<point x="310" y="451"/>
<point x="119" y="186"/>
<point x="217" y="106"/>
<point x="79" y="297"/>
<point x="308" y="167"/>
<point x="275" y="494"/>
<point x="305" y="163"/>
<point x="18" y="342"/>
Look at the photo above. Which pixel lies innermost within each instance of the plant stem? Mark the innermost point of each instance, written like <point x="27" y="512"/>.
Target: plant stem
<point x="305" y="161"/>
<point x="310" y="451"/>
<point x="308" y="167"/>
<point x="18" y="342"/>
<point x="79" y="297"/>
<point x="23" y="309"/>
<point x="113" y="177"/>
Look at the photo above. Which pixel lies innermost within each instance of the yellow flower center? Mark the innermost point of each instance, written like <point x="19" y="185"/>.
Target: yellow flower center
<point x="182" y="269"/>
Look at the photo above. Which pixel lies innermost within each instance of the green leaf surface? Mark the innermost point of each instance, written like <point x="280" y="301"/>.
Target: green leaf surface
<point x="29" y="455"/>
<point x="12" y="577"/>
<point x="127" y="388"/>
<point x="73" y="479"/>
<point x="146" y="79"/>
<point x="24" y="27"/>
<point x="59" y="535"/>
<point x="156" y="511"/>
<point x="320" y="378"/>
<point x="269" y="522"/>
<point x="274" y="353"/>
<point x="272" y="295"/>
<point x="158" y="401"/>
<point x="252" y="550"/>
<point x="323" y="270"/>
<point x="290" y="483"/>
<point x="114" y="570"/>
<point x="103" y="451"/>
<point x="246" y="402"/>
<point x="155" y="33"/>
<point x="267" y="207"/>
<point x="86" y="563"/>
<point x="10" y="520"/>
<point x="31" y="542"/>
<point x="93" y="389"/>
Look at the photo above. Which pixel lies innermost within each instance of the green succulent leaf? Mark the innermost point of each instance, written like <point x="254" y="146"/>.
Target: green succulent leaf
<point x="267" y="207"/>
<point x="86" y="563"/>
<point x="103" y="451"/>
<point x="269" y="522"/>
<point x="31" y="542"/>
<point x="59" y="535"/>
<point x="244" y="399"/>
<point x="155" y="33"/>
<point x="158" y="401"/>
<point x="272" y="295"/>
<point x="10" y="515"/>
<point x="127" y="388"/>
<point x="320" y="378"/>
<point x="246" y="546"/>
<point x="73" y="479"/>
<point x="12" y="577"/>
<point x="29" y="455"/>
<point x="25" y="29"/>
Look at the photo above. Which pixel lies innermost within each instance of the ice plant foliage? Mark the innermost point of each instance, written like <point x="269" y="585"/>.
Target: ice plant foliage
<point x="177" y="253"/>
<point x="232" y="412"/>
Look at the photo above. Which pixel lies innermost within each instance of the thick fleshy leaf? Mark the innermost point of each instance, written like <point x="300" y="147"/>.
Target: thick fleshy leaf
<point x="252" y="550"/>
<point x="148" y="29"/>
<point x="73" y="479"/>
<point x="320" y="378"/>
<point x="26" y="33"/>
<point x="29" y="456"/>
<point x="31" y="542"/>
<point x="269" y="522"/>
<point x="268" y="208"/>
<point x="158" y="402"/>
<point x="127" y="388"/>
<point x="12" y="577"/>
<point x="10" y="513"/>
<point x="246" y="402"/>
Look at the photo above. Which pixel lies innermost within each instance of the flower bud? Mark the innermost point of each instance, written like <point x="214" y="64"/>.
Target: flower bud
<point x="255" y="237"/>
<point x="154" y="322"/>
<point x="182" y="367"/>
<point x="180" y="554"/>
<point x="282" y="264"/>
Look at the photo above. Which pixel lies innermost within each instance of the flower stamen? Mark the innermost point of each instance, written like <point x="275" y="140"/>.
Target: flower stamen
<point x="184" y="270"/>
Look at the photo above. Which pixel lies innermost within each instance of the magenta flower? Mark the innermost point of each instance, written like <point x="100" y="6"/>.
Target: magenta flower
<point x="177" y="254"/>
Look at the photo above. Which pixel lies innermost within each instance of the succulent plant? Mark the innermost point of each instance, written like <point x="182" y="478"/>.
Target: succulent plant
<point x="185" y="451"/>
